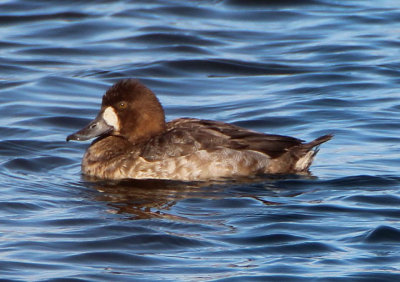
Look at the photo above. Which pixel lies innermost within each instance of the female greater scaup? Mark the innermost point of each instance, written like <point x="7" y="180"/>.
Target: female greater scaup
<point x="134" y="141"/>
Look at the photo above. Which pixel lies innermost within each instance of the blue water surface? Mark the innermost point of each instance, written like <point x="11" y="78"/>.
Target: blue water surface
<point x="298" y="68"/>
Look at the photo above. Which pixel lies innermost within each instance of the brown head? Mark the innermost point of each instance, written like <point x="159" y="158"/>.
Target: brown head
<point x="130" y="110"/>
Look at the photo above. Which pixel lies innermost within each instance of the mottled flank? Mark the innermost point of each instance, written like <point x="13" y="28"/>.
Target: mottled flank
<point x="144" y="146"/>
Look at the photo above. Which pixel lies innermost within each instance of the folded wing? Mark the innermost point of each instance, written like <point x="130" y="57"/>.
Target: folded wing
<point x="185" y="136"/>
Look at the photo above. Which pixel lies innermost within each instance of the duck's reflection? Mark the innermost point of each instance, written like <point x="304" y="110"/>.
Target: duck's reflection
<point x="154" y="198"/>
<point x="149" y="198"/>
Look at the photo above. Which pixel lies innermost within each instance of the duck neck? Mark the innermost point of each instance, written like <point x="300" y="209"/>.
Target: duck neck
<point x="148" y="125"/>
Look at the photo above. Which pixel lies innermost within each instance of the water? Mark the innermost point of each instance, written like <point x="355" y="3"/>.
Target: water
<point x="300" y="68"/>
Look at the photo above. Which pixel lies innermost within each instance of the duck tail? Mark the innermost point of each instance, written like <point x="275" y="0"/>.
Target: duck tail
<point x="308" y="152"/>
<point x="317" y="142"/>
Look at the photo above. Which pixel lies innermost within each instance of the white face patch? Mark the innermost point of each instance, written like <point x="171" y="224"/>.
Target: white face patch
<point x="111" y="118"/>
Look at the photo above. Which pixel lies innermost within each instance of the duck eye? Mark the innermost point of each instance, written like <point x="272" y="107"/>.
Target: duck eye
<point x="122" y="105"/>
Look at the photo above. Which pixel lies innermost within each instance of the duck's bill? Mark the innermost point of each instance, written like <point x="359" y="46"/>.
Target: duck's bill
<point x="94" y="129"/>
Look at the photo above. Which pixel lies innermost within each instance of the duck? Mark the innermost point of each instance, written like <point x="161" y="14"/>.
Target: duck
<point x="134" y="141"/>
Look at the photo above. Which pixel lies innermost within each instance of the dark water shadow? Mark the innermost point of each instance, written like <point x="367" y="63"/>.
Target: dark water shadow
<point x="151" y="198"/>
